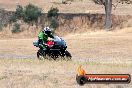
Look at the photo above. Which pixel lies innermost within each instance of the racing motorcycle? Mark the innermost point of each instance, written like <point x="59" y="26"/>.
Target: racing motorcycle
<point x="54" y="49"/>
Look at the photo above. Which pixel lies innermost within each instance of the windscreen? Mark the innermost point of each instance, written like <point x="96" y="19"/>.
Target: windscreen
<point x="56" y="38"/>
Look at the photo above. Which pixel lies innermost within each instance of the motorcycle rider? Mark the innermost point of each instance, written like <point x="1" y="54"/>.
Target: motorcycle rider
<point x="43" y="37"/>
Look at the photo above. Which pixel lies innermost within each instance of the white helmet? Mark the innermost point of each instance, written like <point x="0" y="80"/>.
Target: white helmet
<point x="47" y="30"/>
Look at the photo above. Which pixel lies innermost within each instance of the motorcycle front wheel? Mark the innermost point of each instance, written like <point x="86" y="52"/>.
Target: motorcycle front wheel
<point x="67" y="56"/>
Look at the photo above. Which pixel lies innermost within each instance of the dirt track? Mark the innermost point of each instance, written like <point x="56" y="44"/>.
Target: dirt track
<point x="90" y="47"/>
<point x="101" y="52"/>
<point x="98" y="53"/>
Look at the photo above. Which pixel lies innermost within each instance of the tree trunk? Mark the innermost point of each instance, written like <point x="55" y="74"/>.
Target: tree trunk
<point x="108" y="10"/>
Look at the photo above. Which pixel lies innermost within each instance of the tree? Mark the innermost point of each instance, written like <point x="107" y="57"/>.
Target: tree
<point x="108" y="9"/>
<point x="31" y="13"/>
<point x="54" y="23"/>
<point x="16" y="28"/>
<point x="17" y="15"/>
<point x="52" y="16"/>
<point x="53" y="12"/>
<point x="19" y="12"/>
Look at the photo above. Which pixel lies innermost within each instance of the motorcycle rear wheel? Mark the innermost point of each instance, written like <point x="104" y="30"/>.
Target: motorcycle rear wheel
<point x="41" y="55"/>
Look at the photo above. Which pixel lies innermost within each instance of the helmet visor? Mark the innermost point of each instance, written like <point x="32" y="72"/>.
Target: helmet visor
<point x="48" y="33"/>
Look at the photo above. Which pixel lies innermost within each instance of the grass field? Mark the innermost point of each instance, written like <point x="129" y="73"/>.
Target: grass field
<point x="98" y="52"/>
<point x="28" y="73"/>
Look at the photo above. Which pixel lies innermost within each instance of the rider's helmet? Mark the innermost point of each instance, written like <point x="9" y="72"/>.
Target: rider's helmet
<point x="47" y="31"/>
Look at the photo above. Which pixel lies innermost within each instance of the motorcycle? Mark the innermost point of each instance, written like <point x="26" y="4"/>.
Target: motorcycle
<point x="54" y="49"/>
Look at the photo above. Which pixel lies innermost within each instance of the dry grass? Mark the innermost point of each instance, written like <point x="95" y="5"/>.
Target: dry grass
<point x="106" y="46"/>
<point x="28" y="73"/>
<point x="98" y="52"/>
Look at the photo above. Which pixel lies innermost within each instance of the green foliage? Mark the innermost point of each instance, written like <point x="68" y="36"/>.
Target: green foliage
<point x="52" y="15"/>
<point x="19" y="12"/>
<point x="31" y="13"/>
<point x="28" y="14"/>
<point x="54" y="23"/>
<point x="1" y="26"/>
<point x="53" y="12"/>
<point x="16" y="28"/>
<point x="13" y="18"/>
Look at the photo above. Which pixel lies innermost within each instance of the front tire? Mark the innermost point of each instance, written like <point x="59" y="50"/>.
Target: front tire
<point x="68" y="55"/>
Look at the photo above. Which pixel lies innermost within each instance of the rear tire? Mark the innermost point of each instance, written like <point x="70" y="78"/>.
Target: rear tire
<point x="41" y="55"/>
